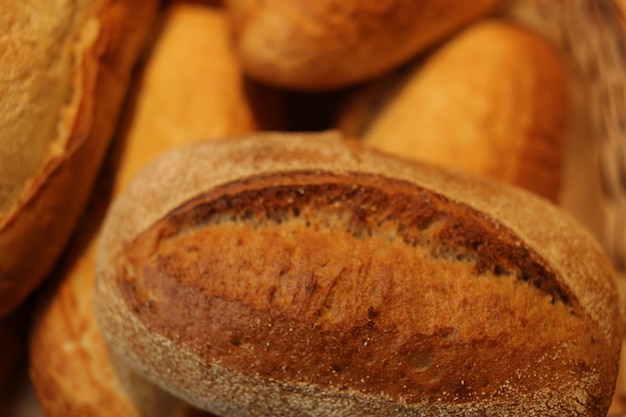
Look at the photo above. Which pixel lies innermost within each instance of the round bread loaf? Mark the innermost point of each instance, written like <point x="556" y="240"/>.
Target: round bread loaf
<point x="282" y="275"/>
<point x="65" y="69"/>
<point x="325" y="44"/>
<point x="492" y="101"/>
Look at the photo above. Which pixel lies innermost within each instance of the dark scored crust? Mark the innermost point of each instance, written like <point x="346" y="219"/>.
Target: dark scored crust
<point x="357" y="283"/>
<point x="281" y="275"/>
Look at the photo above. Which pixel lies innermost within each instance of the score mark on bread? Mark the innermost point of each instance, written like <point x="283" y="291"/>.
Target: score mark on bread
<point x="400" y="286"/>
<point x="384" y="294"/>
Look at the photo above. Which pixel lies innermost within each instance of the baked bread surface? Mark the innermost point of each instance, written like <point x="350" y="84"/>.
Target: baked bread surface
<point x="305" y="275"/>
<point x="64" y="71"/>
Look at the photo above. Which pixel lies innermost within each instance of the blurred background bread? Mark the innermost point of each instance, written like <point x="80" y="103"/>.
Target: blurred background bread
<point x="189" y="87"/>
<point x="325" y="44"/>
<point x="64" y="72"/>
<point x="492" y="101"/>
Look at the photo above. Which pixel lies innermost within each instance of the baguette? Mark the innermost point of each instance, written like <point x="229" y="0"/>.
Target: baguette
<point x="492" y="101"/>
<point x="64" y="72"/>
<point x="327" y="44"/>
<point x="285" y="274"/>
<point x="190" y="86"/>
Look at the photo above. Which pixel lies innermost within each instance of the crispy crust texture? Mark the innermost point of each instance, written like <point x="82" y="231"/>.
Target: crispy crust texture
<point x="306" y="274"/>
<point x="99" y="46"/>
<point x="325" y="44"/>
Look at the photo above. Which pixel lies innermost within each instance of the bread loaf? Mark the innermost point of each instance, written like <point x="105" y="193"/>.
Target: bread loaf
<point x="282" y="275"/>
<point x="64" y="72"/>
<point x="492" y="101"/>
<point x="190" y="86"/>
<point x="325" y="44"/>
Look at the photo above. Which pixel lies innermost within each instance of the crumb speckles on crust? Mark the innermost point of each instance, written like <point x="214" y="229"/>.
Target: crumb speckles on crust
<point x="328" y="262"/>
<point x="479" y="333"/>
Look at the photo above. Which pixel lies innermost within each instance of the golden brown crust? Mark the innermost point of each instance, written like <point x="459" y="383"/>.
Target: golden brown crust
<point x="180" y="94"/>
<point x="92" y="50"/>
<point x="492" y="101"/>
<point x="364" y="283"/>
<point x="326" y="44"/>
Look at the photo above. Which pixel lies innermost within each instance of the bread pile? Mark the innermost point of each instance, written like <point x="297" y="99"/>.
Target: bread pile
<point x="301" y="209"/>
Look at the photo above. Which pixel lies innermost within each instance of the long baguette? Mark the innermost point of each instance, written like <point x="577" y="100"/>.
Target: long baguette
<point x="492" y="101"/>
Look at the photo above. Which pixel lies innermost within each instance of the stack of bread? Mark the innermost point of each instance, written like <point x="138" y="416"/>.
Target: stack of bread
<point x="184" y="245"/>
